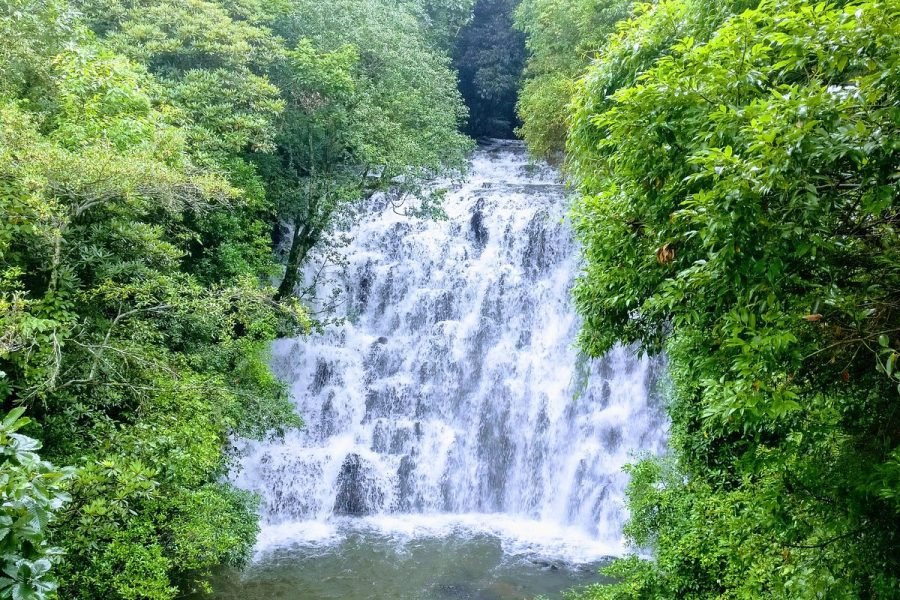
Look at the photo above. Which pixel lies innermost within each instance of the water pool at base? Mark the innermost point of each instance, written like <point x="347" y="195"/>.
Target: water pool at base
<point x="360" y="563"/>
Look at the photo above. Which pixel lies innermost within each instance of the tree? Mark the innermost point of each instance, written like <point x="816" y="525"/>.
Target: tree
<point x="211" y="60"/>
<point x="371" y="106"/>
<point x="443" y="20"/>
<point x="562" y="36"/>
<point x="31" y="494"/>
<point x="490" y="56"/>
<point x="308" y="177"/>
<point x="138" y="354"/>
<point x="739" y="210"/>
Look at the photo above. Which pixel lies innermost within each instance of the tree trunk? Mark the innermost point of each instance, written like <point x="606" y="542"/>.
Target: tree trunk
<point x="301" y="242"/>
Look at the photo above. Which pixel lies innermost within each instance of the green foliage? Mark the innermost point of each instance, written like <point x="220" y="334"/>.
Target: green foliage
<point x="370" y="103"/>
<point x="739" y="211"/>
<point x="490" y="56"/>
<point x="147" y="152"/>
<point x="31" y="31"/>
<point x="562" y="37"/>
<point x="444" y="19"/>
<point x="133" y="318"/>
<point x="31" y="494"/>
<point x="211" y="59"/>
<point x="403" y="112"/>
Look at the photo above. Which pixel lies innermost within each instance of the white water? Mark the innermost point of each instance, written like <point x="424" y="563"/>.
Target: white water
<point x="450" y="401"/>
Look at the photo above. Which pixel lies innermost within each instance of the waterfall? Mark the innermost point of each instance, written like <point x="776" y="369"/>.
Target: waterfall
<point x="453" y="392"/>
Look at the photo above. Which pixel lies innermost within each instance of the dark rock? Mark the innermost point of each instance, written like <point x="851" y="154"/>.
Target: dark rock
<point x="457" y="591"/>
<point x="546" y="564"/>
<point x="407" y="484"/>
<point x="323" y="376"/>
<point x="363" y="289"/>
<point x="329" y="417"/>
<point x="541" y="253"/>
<point x="605" y="394"/>
<point x="400" y="440"/>
<point x="380" y="437"/>
<point x="611" y="438"/>
<point x="479" y="231"/>
<point x="358" y="494"/>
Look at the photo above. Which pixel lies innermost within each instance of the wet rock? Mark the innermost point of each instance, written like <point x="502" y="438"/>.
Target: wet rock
<point x="541" y="252"/>
<point x="656" y="383"/>
<point x="382" y="362"/>
<point x="329" y="417"/>
<point x="547" y="564"/>
<point x="524" y="339"/>
<point x="421" y="410"/>
<point x="386" y="293"/>
<point x="444" y="307"/>
<point x="407" y="483"/>
<point x="387" y="400"/>
<point x="479" y="231"/>
<point x="381" y="437"/>
<point x="465" y="591"/>
<point x="605" y="395"/>
<point x="360" y="295"/>
<point x="323" y="376"/>
<point x="455" y="591"/>
<point x="358" y="494"/>
<point x="611" y="438"/>
<point x="400" y="441"/>
<point x="603" y="368"/>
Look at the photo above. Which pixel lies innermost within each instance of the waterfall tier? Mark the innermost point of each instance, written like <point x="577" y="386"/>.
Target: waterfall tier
<point x="454" y="387"/>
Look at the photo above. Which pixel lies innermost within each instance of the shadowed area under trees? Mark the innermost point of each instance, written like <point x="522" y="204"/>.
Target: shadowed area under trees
<point x="489" y="57"/>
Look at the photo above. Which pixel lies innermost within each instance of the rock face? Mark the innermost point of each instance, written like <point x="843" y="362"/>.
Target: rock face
<point x="358" y="494"/>
<point x="479" y="231"/>
<point x="407" y="485"/>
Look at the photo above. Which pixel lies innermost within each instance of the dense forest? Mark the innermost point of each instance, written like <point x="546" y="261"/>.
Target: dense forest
<point x="167" y="166"/>
<point x="489" y="56"/>
<point x="149" y="154"/>
<point x="736" y="168"/>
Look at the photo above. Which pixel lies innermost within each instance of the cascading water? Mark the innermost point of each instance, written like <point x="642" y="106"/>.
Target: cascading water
<point x="452" y="395"/>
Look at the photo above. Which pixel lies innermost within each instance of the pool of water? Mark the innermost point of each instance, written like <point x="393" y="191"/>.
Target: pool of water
<point x="357" y="560"/>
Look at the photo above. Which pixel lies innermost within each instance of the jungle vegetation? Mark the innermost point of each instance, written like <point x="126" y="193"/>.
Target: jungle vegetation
<point x="489" y="57"/>
<point x="736" y="170"/>
<point x="157" y="160"/>
<point x="166" y="167"/>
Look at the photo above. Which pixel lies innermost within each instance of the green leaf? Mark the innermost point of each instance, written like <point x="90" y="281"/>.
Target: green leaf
<point x="9" y="422"/>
